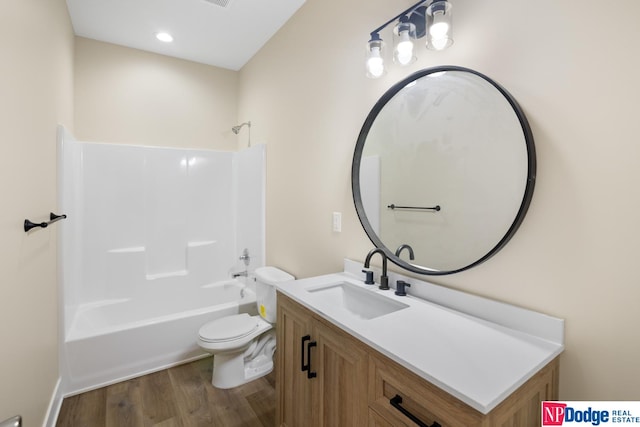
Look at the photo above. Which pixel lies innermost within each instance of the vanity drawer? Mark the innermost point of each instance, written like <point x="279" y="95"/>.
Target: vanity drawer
<point x="430" y="404"/>
<point x="376" y="420"/>
<point x="426" y="402"/>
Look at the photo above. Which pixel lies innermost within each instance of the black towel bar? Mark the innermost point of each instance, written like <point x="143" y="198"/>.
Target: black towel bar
<point x="393" y="206"/>
<point x="28" y="225"/>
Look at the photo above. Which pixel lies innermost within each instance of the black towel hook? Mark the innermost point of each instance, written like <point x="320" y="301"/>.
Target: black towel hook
<point x="28" y="225"/>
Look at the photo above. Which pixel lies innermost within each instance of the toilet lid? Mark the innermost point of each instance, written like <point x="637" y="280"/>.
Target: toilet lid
<point x="228" y="328"/>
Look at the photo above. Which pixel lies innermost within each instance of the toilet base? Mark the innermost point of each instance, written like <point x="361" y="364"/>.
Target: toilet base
<point x="230" y="370"/>
<point x="250" y="363"/>
<point x="259" y="367"/>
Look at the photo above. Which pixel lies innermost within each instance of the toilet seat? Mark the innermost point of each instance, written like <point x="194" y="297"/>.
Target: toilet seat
<point x="228" y="328"/>
<point x="231" y="333"/>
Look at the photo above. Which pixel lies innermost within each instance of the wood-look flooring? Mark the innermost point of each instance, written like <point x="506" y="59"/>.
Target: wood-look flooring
<point x="181" y="396"/>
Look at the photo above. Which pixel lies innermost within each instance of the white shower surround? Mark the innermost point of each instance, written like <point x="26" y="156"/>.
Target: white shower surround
<point x="146" y="253"/>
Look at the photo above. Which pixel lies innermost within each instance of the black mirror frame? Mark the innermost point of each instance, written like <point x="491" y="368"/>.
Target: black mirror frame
<point x="355" y="171"/>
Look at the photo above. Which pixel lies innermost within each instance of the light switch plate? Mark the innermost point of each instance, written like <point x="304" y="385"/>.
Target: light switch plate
<point x="337" y="222"/>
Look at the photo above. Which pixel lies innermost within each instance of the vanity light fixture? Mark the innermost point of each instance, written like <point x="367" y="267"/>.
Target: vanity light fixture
<point x="418" y="21"/>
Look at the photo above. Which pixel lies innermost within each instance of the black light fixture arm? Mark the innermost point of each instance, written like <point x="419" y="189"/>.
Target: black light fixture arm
<point x="374" y="33"/>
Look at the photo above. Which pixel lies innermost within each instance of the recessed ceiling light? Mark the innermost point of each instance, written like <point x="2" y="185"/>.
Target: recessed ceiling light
<point x="164" y="37"/>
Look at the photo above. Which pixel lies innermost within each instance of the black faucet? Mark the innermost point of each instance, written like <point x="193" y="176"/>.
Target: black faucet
<point x="405" y="246"/>
<point x="384" y="280"/>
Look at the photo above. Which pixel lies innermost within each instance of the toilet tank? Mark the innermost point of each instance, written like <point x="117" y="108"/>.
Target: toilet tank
<point x="266" y="279"/>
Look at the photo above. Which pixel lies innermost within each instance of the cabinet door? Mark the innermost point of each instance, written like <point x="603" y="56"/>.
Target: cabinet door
<point x="340" y="388"/>
<point x="293" y="387"/>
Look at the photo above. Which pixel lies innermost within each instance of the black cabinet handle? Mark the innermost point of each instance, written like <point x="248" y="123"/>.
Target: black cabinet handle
<point x="303" y="365"/>
<point x="396" y="403"/>
<point x="306" y="365"/>
<point x="310" y="345"/>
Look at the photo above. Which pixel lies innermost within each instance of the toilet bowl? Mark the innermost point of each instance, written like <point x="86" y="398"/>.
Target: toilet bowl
<point x="243" y="345"/>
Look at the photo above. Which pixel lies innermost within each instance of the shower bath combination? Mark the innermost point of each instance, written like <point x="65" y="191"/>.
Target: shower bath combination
<point x="133" y="297"/>
<point x="236" y="130"/>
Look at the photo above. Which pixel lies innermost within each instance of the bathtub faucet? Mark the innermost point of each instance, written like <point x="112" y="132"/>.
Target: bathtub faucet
<point x="241" y="273"/>
<point x="245" y="257"/>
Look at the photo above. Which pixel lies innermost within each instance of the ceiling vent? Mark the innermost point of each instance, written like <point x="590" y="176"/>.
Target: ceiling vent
<point x="221" y="3"/>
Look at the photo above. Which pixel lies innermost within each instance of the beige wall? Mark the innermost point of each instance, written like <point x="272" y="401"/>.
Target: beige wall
<point x="129" y="96"/>
<point x="572" y="67"/>
<point x="36" y="83"/>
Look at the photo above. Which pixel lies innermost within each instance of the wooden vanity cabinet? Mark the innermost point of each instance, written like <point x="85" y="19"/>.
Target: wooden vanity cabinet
<point x="333" y="391"/>
<point x="355" y="384"/>
<point x="430" y="404"/>
<point x="292" y="386"/>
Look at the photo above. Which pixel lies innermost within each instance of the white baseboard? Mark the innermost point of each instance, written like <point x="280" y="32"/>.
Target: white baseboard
<point x="55" y="403"/>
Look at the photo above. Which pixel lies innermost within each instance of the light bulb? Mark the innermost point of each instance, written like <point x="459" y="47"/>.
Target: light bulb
<point x="440" y="27"/>
<point x="375" y="63"/>
<point x="440" y="44"/>
<point x="439" y="24"/>
<point x="404" y="48"/>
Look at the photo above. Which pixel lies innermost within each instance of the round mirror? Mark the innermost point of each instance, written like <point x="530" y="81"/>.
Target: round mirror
<point x="443" y="170"/>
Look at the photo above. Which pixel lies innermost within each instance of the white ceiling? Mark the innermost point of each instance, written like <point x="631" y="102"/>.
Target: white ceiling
<point x="204" y="31"/>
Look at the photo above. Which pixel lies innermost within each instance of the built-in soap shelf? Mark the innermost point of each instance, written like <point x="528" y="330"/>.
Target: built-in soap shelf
<point x="201" y="243"/>
<point x="131" y="250"/>
<point x="137" y="249"/>
<point x="131" y="259"/>
<point x="168" y="274"/>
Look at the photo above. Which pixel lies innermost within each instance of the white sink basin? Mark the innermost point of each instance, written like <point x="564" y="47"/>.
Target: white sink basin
<point x="359" y="302"/>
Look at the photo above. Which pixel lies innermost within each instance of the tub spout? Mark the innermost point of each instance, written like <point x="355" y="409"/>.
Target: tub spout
<point x="241" y="273"/>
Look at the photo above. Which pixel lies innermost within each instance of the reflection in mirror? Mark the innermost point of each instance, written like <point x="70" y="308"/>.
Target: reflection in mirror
<point x="445" y="166"/>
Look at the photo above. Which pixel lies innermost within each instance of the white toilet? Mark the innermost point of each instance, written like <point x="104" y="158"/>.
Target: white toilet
<point x="243" y="345"/>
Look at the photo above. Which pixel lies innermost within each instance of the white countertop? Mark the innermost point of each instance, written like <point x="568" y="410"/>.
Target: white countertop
<point x="478" y="350"/>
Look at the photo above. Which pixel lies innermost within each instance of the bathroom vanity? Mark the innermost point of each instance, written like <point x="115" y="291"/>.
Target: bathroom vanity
<point x="352" y="355"/>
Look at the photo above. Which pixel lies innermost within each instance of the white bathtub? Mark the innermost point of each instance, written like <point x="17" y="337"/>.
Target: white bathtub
<point x="113" y="340"/>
